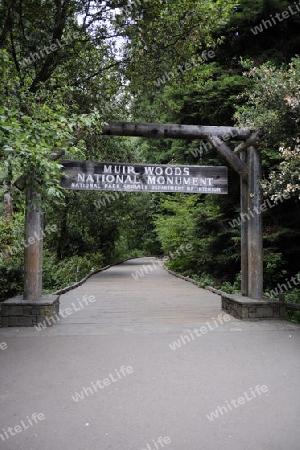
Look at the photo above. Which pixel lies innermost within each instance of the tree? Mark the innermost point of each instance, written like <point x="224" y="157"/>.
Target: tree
<point x="274" y="106"/>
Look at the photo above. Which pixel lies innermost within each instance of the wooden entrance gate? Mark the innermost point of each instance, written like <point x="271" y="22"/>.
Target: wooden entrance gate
<point x="245" y="159"/>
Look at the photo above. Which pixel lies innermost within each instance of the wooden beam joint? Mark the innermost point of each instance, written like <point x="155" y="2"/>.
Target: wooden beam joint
<point x="254" y="141"/>
<point x="235" y="162"/>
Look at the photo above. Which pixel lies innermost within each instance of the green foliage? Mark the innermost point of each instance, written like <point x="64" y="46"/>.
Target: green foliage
<point x="11" y="257"/>
<point x="197" y="221"/>
<point x="11" y="279"/>
<point x="123" y="252"/>
<point x="293" y="316"/>
<point x="232" y="288"/>
<point x="182" y="31"/>
<point x="278" y="43"/>
<point x="274" y="266"/>
<point x="273" y="105"/>
<point x="31" y="126"/>
<point x="290" y="296"/>
<point x="174" y="224"/>
<point x="204" y="280"/>
<point x="59" y="274"/>
<point x="293" y="296"/>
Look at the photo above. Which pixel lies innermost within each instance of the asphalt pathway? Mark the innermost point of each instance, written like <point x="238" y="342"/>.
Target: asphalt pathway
<point x="139" y="359"/>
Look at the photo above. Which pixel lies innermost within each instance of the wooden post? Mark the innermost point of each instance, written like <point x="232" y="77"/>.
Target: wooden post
<point x="33" y="247"/>
<point x="34" y="308"/>
<point x="244" y="231"/>
<point x="255" y="239"/>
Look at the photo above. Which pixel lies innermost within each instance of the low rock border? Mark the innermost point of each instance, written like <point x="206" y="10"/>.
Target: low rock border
<point x="94" y="272"/>
<point x="79" y="283"/>
<point x="175" y="274"/>
<point x="244" y="308"/>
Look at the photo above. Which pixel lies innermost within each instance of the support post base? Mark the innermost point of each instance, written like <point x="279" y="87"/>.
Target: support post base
<point x="17" y="312"/>
<point x="245" y="308"/>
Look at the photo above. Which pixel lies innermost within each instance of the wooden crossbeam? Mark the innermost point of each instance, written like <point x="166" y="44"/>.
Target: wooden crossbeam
<point x="173" y="131"/>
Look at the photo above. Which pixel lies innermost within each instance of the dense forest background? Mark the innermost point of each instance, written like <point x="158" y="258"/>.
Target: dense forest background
<point x="69" y="65"/>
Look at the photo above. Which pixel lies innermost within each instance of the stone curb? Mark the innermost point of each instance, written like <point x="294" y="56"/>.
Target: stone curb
<point x="214" y="290"/>
<point x="175" y="274"/>
<point x="208" y="288"/>
<point x="79" y="283"/>
<point x="289" y="306"/>
<point x="244" y="308"/>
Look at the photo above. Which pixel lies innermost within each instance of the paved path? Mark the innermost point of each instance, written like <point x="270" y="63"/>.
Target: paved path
<point x="245" y="372"/>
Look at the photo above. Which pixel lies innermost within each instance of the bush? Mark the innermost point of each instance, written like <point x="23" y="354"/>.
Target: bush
<point x="11" y="257"/>
<point x="11" y="280"/>
<point x="59" y="274"/>
<point x="204" y="280"/>
<point x="293" y="296"/>
<point x="56" y="274"/>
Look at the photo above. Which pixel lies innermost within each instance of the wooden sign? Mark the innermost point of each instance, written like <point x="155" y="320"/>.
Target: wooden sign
<point x="94" y="176"/>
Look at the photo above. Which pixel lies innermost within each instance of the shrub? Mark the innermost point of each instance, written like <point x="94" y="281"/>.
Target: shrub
<point x="59" y="274"/>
